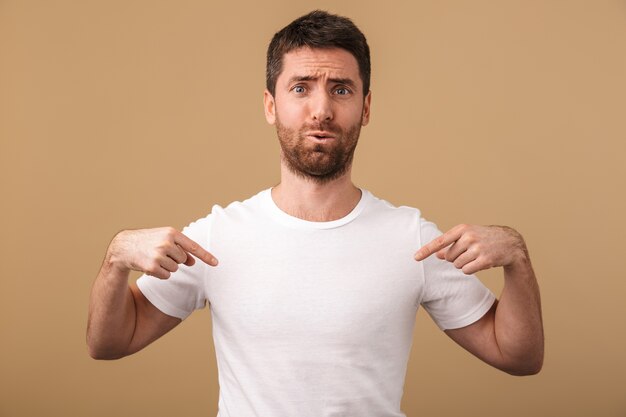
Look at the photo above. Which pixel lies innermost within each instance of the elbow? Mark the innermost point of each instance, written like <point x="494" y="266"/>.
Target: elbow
<point x="525" y="363"/>
<point x="100" y="352"/>
<point x="536" y="367"/>
<point x="527" y="371"/>
<point x="526" y="368"/>
<point x="102" y="355"/>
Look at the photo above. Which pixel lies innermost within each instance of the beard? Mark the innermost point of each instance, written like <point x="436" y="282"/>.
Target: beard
<point x="318" y="162"/>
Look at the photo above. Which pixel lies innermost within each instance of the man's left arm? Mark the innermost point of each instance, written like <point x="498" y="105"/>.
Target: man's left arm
<point x="509" y="336"/>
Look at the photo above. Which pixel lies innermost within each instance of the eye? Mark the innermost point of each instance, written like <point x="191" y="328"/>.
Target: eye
<point x="342" y="91"/>
<point x="298" y="89"/>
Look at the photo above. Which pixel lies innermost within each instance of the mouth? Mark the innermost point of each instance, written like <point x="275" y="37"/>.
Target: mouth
<point x="321" y="136"/>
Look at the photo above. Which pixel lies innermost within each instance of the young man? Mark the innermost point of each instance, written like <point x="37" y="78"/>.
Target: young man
<point x="314" y="298"/>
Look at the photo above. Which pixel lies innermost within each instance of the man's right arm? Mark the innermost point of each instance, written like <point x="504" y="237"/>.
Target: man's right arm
<point x="121" y="320"/>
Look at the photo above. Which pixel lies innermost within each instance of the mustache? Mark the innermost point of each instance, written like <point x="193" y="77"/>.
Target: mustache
<point x="323" y="126"/>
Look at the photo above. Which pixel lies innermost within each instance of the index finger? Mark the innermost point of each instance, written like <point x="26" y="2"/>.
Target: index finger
<point x="195" y="249"/>
<point x="437" y="244"/>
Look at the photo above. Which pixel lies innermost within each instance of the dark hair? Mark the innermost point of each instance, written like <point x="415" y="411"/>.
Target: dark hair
<point x="318" y="29"/>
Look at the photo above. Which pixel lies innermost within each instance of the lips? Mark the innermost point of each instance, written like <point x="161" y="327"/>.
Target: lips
<point x="320" y="135"/>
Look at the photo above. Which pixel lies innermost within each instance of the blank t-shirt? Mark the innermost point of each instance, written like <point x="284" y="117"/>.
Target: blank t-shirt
<point x="316" y="318"/>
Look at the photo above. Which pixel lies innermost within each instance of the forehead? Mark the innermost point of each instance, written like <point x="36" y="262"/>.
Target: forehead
<point x="326" y="62"/>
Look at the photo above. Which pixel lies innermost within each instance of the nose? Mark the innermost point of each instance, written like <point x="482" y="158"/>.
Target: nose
<point x="321" y="107"/>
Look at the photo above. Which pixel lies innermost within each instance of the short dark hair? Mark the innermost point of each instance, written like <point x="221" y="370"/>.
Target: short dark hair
<point x="318" y="29"/>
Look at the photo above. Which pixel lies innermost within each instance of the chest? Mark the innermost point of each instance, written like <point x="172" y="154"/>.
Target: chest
<point x="298" y="286"/>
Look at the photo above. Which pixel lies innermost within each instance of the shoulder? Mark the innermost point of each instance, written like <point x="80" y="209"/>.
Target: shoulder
<point x="382" y="206"/>
<point x="403" y="215"/>
<point x="240" y="209"/>
<point x="385" y="211"/>
<point x="236" y="210"/>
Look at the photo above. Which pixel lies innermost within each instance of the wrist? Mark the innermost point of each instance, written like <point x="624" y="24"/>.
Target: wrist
<point x="518" y="253"/>
<point x="520" y="263"/>
<point x="114" y="259"/>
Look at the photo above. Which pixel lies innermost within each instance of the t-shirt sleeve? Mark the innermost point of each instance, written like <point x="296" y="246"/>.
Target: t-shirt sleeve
<point x="452" y="298"/>
<point x="185" y="290"/>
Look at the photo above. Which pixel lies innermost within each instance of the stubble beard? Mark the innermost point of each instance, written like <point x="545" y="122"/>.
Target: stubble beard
<point x="318" y="162"/>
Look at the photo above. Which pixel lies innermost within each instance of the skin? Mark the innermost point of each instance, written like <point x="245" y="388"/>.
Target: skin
<point x="319" y="91"/>
<point x="308" y="95"/>
<point x="510" y="335"/>
<point x="121" y="320"/>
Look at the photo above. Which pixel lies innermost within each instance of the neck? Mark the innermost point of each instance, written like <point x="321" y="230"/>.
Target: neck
<point x="308" y="200"/>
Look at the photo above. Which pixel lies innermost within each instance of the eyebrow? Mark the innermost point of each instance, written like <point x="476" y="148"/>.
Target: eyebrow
<point x="346" y="81"/>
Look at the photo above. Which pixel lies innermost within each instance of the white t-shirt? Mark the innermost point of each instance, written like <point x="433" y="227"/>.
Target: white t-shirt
<point x="316" y="318"/>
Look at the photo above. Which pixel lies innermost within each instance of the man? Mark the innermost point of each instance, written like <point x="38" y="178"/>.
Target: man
<point x="314" y="298"/>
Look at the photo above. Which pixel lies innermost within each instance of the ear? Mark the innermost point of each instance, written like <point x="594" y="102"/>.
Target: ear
<point x="269" y="105"/>
<point x="366" y="109"/>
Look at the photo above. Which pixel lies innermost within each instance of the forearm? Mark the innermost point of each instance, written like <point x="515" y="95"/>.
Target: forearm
<point x="518" y="323"/>
<point x="112" y="312"/>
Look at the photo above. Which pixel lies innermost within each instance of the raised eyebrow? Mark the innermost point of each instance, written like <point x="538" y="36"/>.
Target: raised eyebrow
<point x="345" y="81"/>
<point x="299" y="78"/>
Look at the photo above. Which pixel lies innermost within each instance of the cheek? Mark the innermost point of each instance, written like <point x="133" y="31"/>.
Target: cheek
<point x="350" y="114"/>
<point x="290" y="115"/>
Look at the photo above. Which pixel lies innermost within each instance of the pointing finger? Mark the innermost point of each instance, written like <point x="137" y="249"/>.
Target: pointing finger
<point x="195" y="249"/>
<point x="437" y="244"/>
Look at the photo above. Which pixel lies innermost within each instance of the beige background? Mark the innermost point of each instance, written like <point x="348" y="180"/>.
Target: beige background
<point x="130" y="114"/>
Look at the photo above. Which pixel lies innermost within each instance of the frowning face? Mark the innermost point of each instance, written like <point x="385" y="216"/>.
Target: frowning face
<point x="318" y="110"/>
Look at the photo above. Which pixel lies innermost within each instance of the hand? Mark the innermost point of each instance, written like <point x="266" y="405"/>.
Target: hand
<point x="156" y="252"/>
<point x="475" y="248"/>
